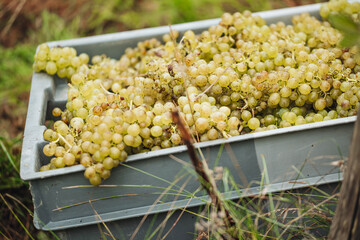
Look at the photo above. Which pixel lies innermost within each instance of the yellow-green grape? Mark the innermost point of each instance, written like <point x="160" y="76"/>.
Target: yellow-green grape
<point x="156" y="131"/>
<point x="95" y="180"/>
<point x="51" y="68"/>
<point x="49" y="149"/>
<point x="105" y="174"/>
<point x="304" y="89"/>
<point x="84" y="58"/>
<point x="246" y="115"/>
<point x="77" y="79"/>
<point x="274" y="99"/>
<point x="90" y="172"/>
<point x="320" y="104"/>
<point x="212" y="134"/>
<point x="50" y="135"/>
<point x="59" y="162"/>
<point x="318" y="117"/>
<point x="134" y="130"/>
<point x="86" y="160"/>
<point x="60" y="151"/>
<point x="56" y="112"/>
<point x="253" y="123"/>
<point x="233" y="123"/>
<point x="201" y="124"/>
<point x="290" y="117"/>
<point x="45" y="168"/>
<point x="69" y="159"/>
<point x="99" y="167"/>
<point x="175" y="139"/>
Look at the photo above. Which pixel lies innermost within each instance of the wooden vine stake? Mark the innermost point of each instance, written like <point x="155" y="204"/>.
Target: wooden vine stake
<point x="346" y="222"/>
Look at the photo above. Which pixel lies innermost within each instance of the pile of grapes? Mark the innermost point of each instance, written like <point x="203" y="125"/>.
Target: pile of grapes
<point x="341" y="7"/>
<point x="237" y="77"/>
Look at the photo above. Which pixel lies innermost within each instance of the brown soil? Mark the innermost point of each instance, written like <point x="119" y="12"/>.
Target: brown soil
<point x="12" y="119"/>
<point x="17" y="17"/>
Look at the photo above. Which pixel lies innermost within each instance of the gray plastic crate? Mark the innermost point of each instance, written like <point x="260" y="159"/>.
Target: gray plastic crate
<point x="302" y="153"/>
<point x="183" y="227"/>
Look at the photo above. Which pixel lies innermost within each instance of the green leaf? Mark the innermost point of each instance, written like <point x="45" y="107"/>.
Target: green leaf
<point x="350" y="40"/>
<point x="350" y="29"/>
<point x="344" y="23"/>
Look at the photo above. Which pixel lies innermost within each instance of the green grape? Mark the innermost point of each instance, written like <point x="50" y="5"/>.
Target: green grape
<point x="69" y="159"/>
<point x="108" y="163"/>
<point x="318" y="117"/>
<point x="156" y="131"/>
<point x="49" y="149"/>
<point x="290" y="117"/>
<point x="300" y="120"/>
<point x="59" y="162"/>
<point x="90" y="172"/>
<point x="274" y="99"/>
<point x="54" y="54"/>
<point x="253" y="123"/>
<point x="233" y="123"/>
<point x="134" y="129"/>
<point x="246" y="115"/>
<point x="51" y="68"/>
<point x="95" y="180"/>
<point x="201" y="124"/>
<point x="269" y="120"/>
<point x="304" y="89"/>
<point x="320" y="104"/>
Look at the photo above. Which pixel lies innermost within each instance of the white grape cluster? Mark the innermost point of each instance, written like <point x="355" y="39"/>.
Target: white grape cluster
<point x="341" y="7"/>
<point x="61" y="61"/>
<point x="237" y="77"/>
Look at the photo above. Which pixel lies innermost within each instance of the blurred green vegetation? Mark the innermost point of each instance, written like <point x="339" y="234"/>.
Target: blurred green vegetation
<point x="26" y="24"/>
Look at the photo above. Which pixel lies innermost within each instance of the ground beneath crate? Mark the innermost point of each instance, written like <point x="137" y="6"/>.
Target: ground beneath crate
<point x="12" y="117"/>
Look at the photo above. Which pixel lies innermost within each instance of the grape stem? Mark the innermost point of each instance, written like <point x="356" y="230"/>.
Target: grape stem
<point x="182" y="39"/>
<point x="62" y="138"/>
<point x="106" y="91"/>
<point x="241" y="128"/>
<point x="246" y="103"/>
<point x="56" y="140"/>
<point x="225" y="134"/>
<point x="175" y="44"/>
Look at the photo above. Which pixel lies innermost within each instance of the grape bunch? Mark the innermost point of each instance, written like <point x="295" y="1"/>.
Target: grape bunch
<point x="341" y="7"/>
<point x="61" y="61"/>
<point x="237" y="77"/>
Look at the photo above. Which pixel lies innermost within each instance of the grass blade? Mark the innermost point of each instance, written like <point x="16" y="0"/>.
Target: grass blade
<point x="5" y="237"/>
<point x="11" y="160"/>
<point x="22" y="225"/>
<point x="271" y="202"/>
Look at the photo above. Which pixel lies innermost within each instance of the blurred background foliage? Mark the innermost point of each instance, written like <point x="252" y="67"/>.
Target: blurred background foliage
<point x="24" y="24"/>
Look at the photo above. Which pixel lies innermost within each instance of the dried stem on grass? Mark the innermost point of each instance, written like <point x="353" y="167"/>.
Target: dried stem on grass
<point x="96" y="213"/>
<point x="206" y="180"/>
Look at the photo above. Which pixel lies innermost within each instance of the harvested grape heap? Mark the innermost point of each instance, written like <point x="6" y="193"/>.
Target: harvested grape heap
<point x="237" y="77"/>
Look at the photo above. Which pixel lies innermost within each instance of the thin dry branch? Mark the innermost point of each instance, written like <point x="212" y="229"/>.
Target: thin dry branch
<point x="207" y="182"/>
